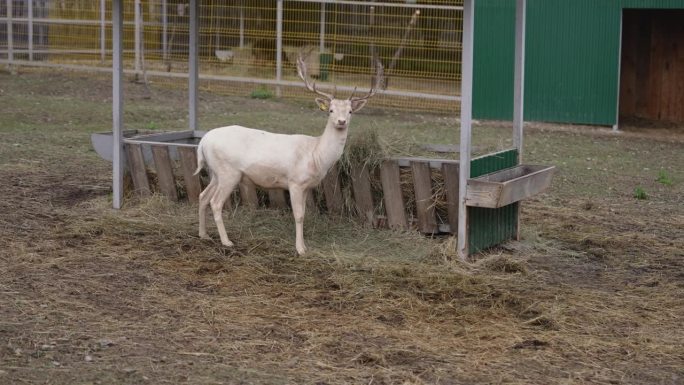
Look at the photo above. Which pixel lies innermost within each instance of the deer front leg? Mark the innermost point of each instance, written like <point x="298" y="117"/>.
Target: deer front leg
<point x="298" y="200"/>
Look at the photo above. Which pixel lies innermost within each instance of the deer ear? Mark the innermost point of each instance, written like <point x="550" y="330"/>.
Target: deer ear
<point x="323" y="104"/>
<point x="358" y="104"/>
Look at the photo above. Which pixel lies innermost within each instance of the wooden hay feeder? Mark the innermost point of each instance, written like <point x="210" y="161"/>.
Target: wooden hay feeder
<point x="482" y="194"/>
<point x="165" y="163"/>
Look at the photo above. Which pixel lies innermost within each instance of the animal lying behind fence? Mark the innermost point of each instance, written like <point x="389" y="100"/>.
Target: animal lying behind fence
<point x="295" y="162"/>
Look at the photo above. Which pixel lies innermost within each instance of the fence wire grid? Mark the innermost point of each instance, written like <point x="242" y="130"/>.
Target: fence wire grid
<point x="252" y="45"/>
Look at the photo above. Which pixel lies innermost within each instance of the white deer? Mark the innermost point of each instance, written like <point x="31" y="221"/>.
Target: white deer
<point x="294" y="162"/>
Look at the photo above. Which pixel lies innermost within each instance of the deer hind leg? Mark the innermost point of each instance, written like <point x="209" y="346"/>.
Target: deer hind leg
<point x="204" y="199"/>
<point x="227" y="181"/>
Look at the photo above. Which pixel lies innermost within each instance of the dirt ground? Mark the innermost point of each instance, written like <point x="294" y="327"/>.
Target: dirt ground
<point x="89" y="295"/>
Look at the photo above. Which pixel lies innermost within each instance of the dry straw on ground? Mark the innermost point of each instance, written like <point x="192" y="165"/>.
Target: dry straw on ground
<point x="592" y="294"/>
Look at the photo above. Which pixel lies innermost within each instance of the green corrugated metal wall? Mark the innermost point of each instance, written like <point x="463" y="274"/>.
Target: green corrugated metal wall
<point x="490" y="227"/>
<point x="571" y="64"/>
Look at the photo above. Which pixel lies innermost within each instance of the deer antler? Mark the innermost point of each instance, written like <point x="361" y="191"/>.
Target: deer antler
<point x="376" y="82"/>
<point x="302" y="72"/>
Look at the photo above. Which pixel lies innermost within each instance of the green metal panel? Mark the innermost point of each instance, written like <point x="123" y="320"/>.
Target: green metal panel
<point x="493" y="59"/>
<point x="574" y="49"/>
<point x="572" y="59"/>
<point x="490" y="227"/>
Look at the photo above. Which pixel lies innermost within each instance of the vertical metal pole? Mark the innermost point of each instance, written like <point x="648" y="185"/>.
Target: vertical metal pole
<point x="193" y="74"/>
<point x="519" y="81"/>
<point x="117" y="102"/>
<point x="322" y="36"/>
<point x="138" y="33"/>
<point x="30" y="29"/>
<point x="519" y="88"/>
<point x="165" y="29"/>
<point x="279" y="44"/>
<point x="466" y="121"/>
<point x="42" y="13"/>
<point x="103" y="31"/>
<point x="242" y="25"/>
<point x="10" y="39"/>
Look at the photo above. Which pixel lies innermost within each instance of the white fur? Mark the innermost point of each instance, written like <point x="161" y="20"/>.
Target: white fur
<point x="269" y="160"/>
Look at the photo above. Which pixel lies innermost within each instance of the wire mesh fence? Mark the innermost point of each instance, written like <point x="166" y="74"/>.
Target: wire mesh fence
<point x="249" y="47"/>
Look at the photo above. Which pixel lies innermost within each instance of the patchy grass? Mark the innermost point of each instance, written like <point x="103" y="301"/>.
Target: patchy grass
<point x="591" y="294"/>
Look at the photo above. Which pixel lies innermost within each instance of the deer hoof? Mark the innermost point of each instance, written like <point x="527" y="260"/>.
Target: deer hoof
<point x="301" y="250"/>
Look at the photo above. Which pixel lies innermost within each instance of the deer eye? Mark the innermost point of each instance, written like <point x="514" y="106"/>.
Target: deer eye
<point x="330" y="111"/>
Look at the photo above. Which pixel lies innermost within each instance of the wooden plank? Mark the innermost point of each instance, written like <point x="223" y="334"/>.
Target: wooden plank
<point x="450" y="174"/>
<point x="248" y="193"/>
<point x="404" y="161"/>
<point x="363" y="193"/>
<point x="162" y="163"/>
<point x="163" y="136"/>
<point x="188" y="159"/>
<point x="136" y="165"/>
<point x="425" y="208"/>
<point x="643" y="64"/>
<point x="660" y="41"/>
<point x="276" y="198"/>
<point x="671" y="33"/>
<point x="392" y="195"/>
<point x="628" y="78"/>
<point x="311" y="201"/>
<point x="655" y="76"/>
<point x="332" y="191"/>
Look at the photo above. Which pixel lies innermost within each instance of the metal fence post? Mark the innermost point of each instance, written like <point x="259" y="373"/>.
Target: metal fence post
<point x="165" y="30"/>
<point x="466" y="121"/>
<point x="103" y="31"/>
<point x="10" y="40"/>
<point x="279" y="45"/>
<point x="242" y="24"/>
<point x="193" y="72"/>
<point x="519" y="81"/>
<point x="322" y="36"/>
<point x="138" y="31"/>
<point x="117" y="102"/>
<point x="30" y="29"/>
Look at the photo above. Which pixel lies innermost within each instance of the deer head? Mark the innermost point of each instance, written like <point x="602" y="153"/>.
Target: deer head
<point x="340" y="110"/>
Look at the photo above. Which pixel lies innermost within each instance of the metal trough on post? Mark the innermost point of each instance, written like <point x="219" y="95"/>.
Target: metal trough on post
<point x="510" y="185"/>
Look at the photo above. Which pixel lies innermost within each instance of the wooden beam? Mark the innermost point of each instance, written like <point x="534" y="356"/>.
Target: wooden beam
<point x="248" y="193"/>
<point x="450" y="174"/>
<point x="363" y="194"/>
<point x="136" y="164"/>
<point x="333" y="192"/>
<point x="425" y="208"/>
<point x="162" y="163"/>
<point x="276" y="198"/>
<point x="394" y="201"/>
<point x="188" y="159"/>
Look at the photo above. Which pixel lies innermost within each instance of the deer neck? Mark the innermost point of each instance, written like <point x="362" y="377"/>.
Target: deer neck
<point x="330" y="146"/>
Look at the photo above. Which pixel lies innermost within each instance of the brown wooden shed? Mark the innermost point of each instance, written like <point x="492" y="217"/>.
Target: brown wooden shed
<point x="652" y="73"/>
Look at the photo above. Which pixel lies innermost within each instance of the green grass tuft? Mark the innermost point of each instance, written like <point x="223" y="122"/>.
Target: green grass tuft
<point x="664" y="178"/>
<point x="640" y="193"/>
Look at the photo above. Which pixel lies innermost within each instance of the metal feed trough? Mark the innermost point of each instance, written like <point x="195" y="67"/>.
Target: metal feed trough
<point x="483" y="194"/>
